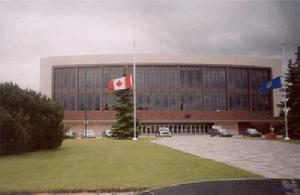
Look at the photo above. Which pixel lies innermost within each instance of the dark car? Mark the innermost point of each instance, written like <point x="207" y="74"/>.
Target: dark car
<point x="219" y="132"/>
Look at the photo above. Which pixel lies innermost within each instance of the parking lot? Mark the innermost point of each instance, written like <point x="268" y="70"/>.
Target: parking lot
<point x="272" y="159"/>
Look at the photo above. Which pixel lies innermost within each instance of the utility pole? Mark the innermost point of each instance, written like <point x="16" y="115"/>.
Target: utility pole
<point x="134" y="87"/>
<point x="85" y="106"/>
<point x="284" y="88"/>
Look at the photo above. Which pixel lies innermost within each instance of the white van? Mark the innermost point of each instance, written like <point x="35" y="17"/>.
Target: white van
<point x="88" y="134"/>
<point x="163" y="132"/>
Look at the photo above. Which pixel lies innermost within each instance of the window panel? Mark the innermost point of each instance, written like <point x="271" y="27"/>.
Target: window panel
<point x="261" y="101"/>
<point x="214" y="87"/>
<point x="173" y="102"/>
<point x="73" y="89"/>
<point x="183" y="102"/>
<point x="82" y="88"/>
<point x="165" y="102"/>
<point x="57" y="86"/>
<point x="190" y="88"/>
<point x="64" y="87"/>
<point x="238" y="89"/>
<point x="97" y="88"/>
<point x="139" y="102"/>
<point x="156" y="81"/>
<point x="156" y="102"/>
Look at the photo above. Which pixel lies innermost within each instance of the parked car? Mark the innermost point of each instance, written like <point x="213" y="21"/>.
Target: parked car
<point x="253" y="132"/>
<point x="163" y="132"/>
<point x="219" y="131"/>
<point x="107" y="133"/>
<point x="88" y="133"/>
<point x="69" y="134"/>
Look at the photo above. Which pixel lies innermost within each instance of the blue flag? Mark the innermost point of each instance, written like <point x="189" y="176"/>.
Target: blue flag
<point x="274" y="84"/>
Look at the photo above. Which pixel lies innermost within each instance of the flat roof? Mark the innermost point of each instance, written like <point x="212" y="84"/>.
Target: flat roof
<point x="159" y="59"/>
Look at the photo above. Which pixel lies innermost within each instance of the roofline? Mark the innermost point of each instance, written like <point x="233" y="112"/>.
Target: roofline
<point x="162" y="54"/>
<point x="162" y="59"/>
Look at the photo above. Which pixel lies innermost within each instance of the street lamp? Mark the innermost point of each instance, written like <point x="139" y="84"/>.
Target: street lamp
<point x="285" y="86"/>
<point x="286" y="110"/>
<point x="85" y="121"/>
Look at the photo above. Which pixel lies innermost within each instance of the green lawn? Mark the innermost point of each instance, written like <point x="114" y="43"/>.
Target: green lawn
<point x="292" y="141"/>
<point x="107" y="165"/>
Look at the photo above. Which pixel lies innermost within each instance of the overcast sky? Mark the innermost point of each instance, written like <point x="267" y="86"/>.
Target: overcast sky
<point x="33" y="29"/>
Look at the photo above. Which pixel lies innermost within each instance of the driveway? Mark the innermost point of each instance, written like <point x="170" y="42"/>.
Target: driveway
<point x="272" y="159"/>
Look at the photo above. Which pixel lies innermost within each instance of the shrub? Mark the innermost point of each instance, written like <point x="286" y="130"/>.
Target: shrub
<point x="28" y="120"/>
<point x="13" y="135"/>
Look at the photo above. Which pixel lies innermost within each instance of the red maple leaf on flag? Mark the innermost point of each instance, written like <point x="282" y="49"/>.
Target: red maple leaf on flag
<point x="119" y="83"/>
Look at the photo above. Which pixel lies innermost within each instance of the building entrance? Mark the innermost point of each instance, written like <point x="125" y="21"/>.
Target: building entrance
<point x="178" y="129"/>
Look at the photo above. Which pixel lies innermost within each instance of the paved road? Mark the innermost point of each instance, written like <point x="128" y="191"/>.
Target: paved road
<point x="272" y="159"/>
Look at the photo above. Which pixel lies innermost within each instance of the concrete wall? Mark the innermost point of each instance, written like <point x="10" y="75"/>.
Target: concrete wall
<point x="47" y="64"/>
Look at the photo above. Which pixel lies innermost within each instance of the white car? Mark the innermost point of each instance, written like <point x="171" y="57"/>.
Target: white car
<point x="69" y="134"/>
<point x="88" y="133"/>
<point x="107" y="133"/>
<point x="253" y="132"/>
<point x="163" y="132"/>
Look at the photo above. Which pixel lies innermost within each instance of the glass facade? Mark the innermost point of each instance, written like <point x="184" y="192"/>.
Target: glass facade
<point x="238" y="89"/>
<point x="260" y="100"/>
<point x="166" y="88"/>
<point x="214" y="81"/>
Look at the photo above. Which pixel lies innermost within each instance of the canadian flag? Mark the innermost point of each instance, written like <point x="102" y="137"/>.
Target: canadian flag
<point x="120" y="83"/>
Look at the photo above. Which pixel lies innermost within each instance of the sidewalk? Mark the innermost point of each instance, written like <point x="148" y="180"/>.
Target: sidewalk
<point x="271" y="159"/>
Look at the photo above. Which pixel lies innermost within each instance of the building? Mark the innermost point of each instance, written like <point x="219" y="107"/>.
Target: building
<point x="188" y="93"/>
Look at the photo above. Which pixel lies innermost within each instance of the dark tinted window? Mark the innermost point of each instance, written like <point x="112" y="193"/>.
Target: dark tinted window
<point x="164" y="88"/>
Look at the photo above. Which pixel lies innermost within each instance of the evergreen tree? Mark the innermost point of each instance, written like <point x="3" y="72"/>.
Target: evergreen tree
<point x="123" y="127"/>
<point x="294" y="97"/>
<point x="28" y="120"/>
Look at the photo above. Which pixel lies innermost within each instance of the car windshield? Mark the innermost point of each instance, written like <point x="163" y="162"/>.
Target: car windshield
<point x="216" y="127"/>
<point x="164" y="129"/>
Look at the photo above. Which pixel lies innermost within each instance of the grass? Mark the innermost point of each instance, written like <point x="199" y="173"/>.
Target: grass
<point x="292" y="141"/>
<point x="107" y="165"/>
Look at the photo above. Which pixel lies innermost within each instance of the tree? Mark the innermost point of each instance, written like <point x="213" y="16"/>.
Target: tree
<point x="13" y="135"/>
<point x="28" y="120"/>
<point x="293" y="79"/>
<point x="123" y="127"/>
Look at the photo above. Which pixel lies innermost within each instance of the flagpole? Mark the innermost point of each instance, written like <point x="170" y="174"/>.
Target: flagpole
<point x="285" y="85"/>
<point x="134" y="88"/>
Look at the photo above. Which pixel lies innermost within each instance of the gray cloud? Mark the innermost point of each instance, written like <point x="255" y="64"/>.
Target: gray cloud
<point x="32" y="29"/>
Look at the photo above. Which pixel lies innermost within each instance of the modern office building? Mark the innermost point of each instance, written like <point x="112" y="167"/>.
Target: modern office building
<point x="187" y="93"/>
